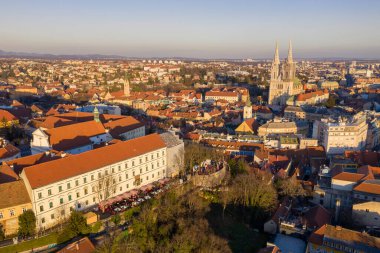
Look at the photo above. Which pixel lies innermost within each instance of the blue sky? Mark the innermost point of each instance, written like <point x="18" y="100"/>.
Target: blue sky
<point x="192" y="28"/>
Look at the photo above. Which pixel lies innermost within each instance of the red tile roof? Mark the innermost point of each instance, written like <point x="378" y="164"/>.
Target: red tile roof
<point x="7" y="115"/>
<point x="75" y="135"/>
<point x="8" y="151"/>
<point x="83" y="245"/>
<point x="369" y="186"/>
<point x="351" y="177"/>
<point x="75" y="165"/>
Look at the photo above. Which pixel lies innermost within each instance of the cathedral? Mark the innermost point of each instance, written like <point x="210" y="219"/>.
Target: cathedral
<point x="282" y="79"/>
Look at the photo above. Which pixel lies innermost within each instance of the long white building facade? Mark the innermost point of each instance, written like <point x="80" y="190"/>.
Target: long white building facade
<point x="71" y="183"/>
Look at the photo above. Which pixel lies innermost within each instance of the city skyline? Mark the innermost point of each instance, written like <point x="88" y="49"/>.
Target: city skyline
<point x="242" y="29"/>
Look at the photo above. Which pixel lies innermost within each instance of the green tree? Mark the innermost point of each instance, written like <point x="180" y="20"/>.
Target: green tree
<point x="27" y="223"/>
<point x="116" y="219"/>
<point x="77" y="223"/>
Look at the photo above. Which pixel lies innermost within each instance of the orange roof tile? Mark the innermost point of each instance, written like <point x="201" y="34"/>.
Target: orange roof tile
<point x="347" y="176"/>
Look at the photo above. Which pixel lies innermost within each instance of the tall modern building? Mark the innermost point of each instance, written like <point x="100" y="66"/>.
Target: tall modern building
<point x="282" y="79"/>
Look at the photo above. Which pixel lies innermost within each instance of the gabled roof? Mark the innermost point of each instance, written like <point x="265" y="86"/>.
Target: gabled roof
<point x="75" y="135"/>
<point x="317" y="216"/>
<point x="13" y="194"/>
<point x="7" y="115"/>
<point x="347" y="176"/>
<point x="8" y="151"/>
<point x="74" y="165"/>
<point x="369" y="186"/>
<point x="120" y="126"/>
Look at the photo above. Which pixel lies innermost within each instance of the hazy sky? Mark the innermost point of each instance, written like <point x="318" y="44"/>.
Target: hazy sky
<point x="192" y="28"/>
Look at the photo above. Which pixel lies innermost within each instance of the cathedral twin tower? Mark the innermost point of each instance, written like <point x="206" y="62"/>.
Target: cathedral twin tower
<point x="282" y="85"/>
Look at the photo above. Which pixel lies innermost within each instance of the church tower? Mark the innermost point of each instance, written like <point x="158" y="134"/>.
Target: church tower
<point x="282" y="83"/>
<point x="289" y="65"/>
<point x="126" y="88"/>
<point x="247" y="113"/>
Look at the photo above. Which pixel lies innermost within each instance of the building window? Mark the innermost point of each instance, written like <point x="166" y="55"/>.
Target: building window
<point x="78" y="195"/>
<point x="93" y="189"/>
<point x="140" y="171"/>
<point x="40" y="195"/>
<point x="12" y="212"/>
<point x="76" y="182"/>
<point x="49" y="192"/>
<point x="41" y="208"/>
<point x="85" y="191"/>
<point x="92" y="177"/>
<point x="120" y="178"/>
<point x="51" y="204"/>
<point x="68" y="186"/>
<point x="140" y="161"/>
<point x="23" y="210"/>
<point x="126" y="175"/>
<point x="60" y="188"/>
<point x="126" y="165"/>
<point x="133" y="163"/>
<point x="121" y="188"/>
<point x="127" y="186"/>
<point x="52" y="216"/>
<point x="43" y="220"/>
<point x="79" y="205"/>
<point x="86" y="202"/>
<point x="61" y="200"/>
<point x="1" y="215"/>
<point x="69" y="197"/>
<point x="99" y="175"/>
<point x="94" y="199"/>
<point x="84" y="180"/>
<point x="119" y="168"/>
<point x="63" y="212"/>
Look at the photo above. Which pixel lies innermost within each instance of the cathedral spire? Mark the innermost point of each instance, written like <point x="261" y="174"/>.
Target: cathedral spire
<point x="290" y="52"/>
<point x="276" y="59"/>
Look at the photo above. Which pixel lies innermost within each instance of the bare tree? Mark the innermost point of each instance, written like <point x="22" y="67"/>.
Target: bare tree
<point x="60" y="216"/>
<point x="105" y="187"/>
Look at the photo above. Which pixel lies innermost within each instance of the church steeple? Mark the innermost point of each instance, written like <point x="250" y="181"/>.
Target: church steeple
<point x="275" y="70"/>
<point x="290" y="53"/>
<point x="276" y="59"/>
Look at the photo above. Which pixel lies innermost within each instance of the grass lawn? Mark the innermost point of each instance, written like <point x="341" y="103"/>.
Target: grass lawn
<point x="42" y="241"/>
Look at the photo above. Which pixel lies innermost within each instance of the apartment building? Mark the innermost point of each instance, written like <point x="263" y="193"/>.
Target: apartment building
<point x="340" y="134"/>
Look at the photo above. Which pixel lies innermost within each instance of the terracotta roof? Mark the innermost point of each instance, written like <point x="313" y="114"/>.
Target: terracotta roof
<point x="13" y="194"/>
<point x="8" y="151"/>
<point x="347" y="176"/>
<point x="7" y="115"/>
<point x="83" y="245"/>
<point x="7" y="174"/>
<point x="75" y="135"/>
<point x="222" y="94"/>
<point x="369" y="186"/>
<point x="351" y="236"/>
<point x="317" y="216"/>
<point x="120" y="126"/>
<point x="19" y="164"/>
<point x="74" y="165"/>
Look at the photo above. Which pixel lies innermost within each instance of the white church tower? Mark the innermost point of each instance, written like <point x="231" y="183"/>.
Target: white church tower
<point x="247" y="113"/>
